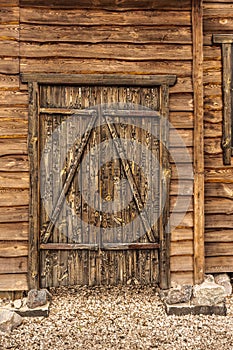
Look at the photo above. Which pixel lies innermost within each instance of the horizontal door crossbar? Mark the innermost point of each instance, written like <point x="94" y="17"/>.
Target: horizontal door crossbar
<point x="105" y="246"/>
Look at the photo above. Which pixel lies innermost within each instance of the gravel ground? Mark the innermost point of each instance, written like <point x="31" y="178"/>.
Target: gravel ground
<point x="118" y="318"/>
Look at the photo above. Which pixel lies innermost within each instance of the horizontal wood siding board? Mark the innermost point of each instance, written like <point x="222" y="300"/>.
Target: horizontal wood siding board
<point x="9" y="15"/>
<point x="13" y="126"/>
<point x="104" y="34"/>
<point x="14" y="180"/>
<point x="106" y="4"/>
<point x="218" y="221"/>
<point x="182" y="277"/>
<point x="181" y="263"/>
<point x="218" y="264"/>
<point x="219" y="174"/>
<point x="215" y="236"/>
<point x="13" y="214"/>
<point x="13" y="249"/>
<point x="17" y="231"/>
<point x="182" y="234"/>
<point x="213" y="249"/>
<point x="101" y="17"/>
<point x="13" y="265"/>
<point x="13" y="197"/>
<point x="13" y="282"/>
<point x="13" y="146"/>
<point x="9" y="65"/>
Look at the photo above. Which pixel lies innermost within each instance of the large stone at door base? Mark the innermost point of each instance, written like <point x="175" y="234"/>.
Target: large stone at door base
<point x="189" y="309"/>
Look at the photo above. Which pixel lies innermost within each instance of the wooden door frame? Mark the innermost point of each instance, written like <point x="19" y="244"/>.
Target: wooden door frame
<point x="34" y="80"/>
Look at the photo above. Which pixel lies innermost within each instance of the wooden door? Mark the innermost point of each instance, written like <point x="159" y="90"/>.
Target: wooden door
<point x="103" y="203"/>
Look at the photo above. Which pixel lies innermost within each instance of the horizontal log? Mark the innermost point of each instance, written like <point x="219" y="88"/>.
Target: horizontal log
<point x="181" y="172"/>
<point x="181" y="155"/>
<point x="98" y="17"/>
<point x="215" y="221"/>
<point x="212" y="77"/>
<point x="9" y="48"/>
<point x="15" y="163"/>
<point x="13" y="146"/>
<point x="181" y="248"/>
<point x="182" y="187"/>
<point x="14" y="180"/>
<point x="219" y="174"/>
<point x="13" y="249"/>
<point x="213" y="116"/>
<point x="74" y="66"/>
<point x="181" y="120"/>
<point x="16" y="231"/>
<point x="223" y="38"/>
<point x="212" y="130"/>
<point x="213" y="249"/>
<point x="219" y="236"/>
<point x="182" y="85"/>
<point x="9" y="65"/>
<point x="129" y="52"/>
<point x="181" y="138"/>
<point x="215" y="205"/>
<point x="183" y="221"/>
<point x="13" y="126"/>
<point x="13" y="112"/>
<point x="216" y="25"/>
<point x="13" y="265"/>
<point x="115" y="5"/>
<point x="14" y="197"/>
<point x="214" y="103"/>
<point x="9" y="15"/>
<point x="8" y="3"/>
<point x="183" y="234"/>
<point x="181" y="263"/>
<point x="13" y="282"/>
<point x="212" y="53"/>
<point x="185" y="204"/>
<point x="212" y="65"/>
<point x="13" y="98"/>
<point x="219" y="264"/>
<point x="214" y="160"/>
<point x="181" y="102"/>
<point x="213" y="89"/>
<point x="218" y="189"/>
<point x="212" y="146"/>
<point x="9" y="32"/>
<point x="217" y="11"/>
<point x="9" y="82"/>
<point x="104" y="34"/>
<point x="184" y="277"/>
<point x="13" y="214"/>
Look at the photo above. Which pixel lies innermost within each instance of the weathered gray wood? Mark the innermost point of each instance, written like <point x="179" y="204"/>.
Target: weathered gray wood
<point x="100" y="79"/>
<point x="33" y="255"/>
<point x="105" y="246"/>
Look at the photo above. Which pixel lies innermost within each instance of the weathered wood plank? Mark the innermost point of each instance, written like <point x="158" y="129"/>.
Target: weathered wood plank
<point x="13" y="282"/>
<point x="14" y="180"/>
<point x="214" y="103"/>
<point x="9" y="3"/>
<point x="213" y="130"/>
<point x="9" y="65"/>
<point x="13" y="112"/>
<point x="182" y="263"/>
<point x="181" y="120"/>
<point x="129" y="52"/>
<point x="17" y="231"/>
<point x="17" y="127"/>
<point x="184" y="201"/>
<point x="220" y="24"/>
<point x="13" y="197"/>
<point x="95" y="17"/>
<point x="219" y="190"/>
<point x="13" y="146"/>
<point x="13" y="214"/>
<point x="9" y="82"/>
<point x="221" y="205"/>
<point x="72" y="66"/>
<point x="212" y="146"/>
<point x="213" y="116"/>
<point x="186" y="138"/>
<point x="216" y="236"/>
<point x="223" y="38"/>
<point x="115" y="5"/>
<point x="13" y="98"/>
<point x="218" y="264"/>
<point x="13" y="249"/>
<point x="218" y="221"/>
<point x="104" y="34"/>
<point x="213" y="249"/>
<point x="183" y="277"/>
<point x="185" y="220"/>
<point x="181" y="102"/>
<point x="9" y="48"/>
<point x="182" y="248"/>
<point x="182" y="234"/>
<point x="183" y="187"/>
<point x="9" y="32"/>
<point x="212" y="53"/>
<point x="181" y="173"/>
<point x="13" y="265"/>
<point x="9" y="15"/>
<point x="219" y="174"/>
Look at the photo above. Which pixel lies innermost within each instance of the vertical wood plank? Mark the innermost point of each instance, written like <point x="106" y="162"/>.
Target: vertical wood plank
<point x="198" y="164"/>
<point x="33" y="258"/>
<point x="227" y="109"/>
<point x="165" y="173"/>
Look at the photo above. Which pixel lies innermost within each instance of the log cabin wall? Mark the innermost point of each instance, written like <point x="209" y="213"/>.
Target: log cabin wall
<point x="218" y="178"/>
<point x="151" y="37"/>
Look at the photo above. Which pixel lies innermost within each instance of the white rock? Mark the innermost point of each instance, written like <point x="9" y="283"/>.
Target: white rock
<point x="9" y="320"/>
<point x="224" y="280"/>
<point x="208" y="293"/>
<point x="17" y="303"/>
